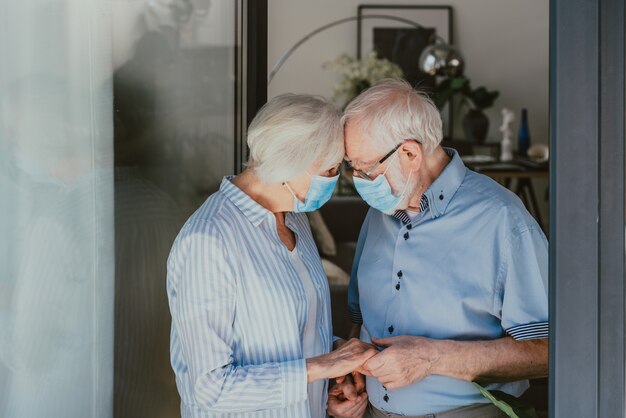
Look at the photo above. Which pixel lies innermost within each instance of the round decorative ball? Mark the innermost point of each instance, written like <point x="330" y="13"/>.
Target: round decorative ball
<point x="443" y="60"/>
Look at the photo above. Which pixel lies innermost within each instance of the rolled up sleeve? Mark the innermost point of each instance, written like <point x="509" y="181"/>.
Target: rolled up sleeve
<point x="523" y="287"/>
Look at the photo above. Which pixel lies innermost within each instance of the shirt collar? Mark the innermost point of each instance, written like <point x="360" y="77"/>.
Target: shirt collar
<point x="402" y="215"/>
<point x="443" y="189"/>
<point x="251" y="209"/>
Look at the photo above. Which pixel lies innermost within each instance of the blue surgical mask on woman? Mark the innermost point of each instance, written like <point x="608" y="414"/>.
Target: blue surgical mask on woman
<point x="320" y="191"/>
<point x="378" y="194"/>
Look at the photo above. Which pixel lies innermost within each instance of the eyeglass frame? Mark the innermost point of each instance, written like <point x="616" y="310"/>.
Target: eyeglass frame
<point x="366" y="174"/>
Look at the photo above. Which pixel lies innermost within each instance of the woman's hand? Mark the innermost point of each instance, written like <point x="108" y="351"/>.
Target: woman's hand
<point x="347" y="358"/>
<point x="346" y="405"/>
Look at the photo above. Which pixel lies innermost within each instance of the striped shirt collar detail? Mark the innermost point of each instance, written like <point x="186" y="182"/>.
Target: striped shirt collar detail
<point x="251" y="209"/>
<point x="402" y="215"/>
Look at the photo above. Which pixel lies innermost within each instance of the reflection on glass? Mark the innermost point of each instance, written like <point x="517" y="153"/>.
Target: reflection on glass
<point x="116" y="121"/>
<point x="173" y="100"/>
<point x="56" y="194"/>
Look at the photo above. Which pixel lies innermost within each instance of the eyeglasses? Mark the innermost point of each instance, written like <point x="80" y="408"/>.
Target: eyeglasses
<point x="366" y="174"/>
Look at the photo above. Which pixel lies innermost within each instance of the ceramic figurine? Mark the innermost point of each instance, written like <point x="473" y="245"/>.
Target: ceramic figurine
<point x="508" y="117"/>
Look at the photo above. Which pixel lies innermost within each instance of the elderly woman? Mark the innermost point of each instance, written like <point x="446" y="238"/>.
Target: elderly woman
<point x="251" y="325"/>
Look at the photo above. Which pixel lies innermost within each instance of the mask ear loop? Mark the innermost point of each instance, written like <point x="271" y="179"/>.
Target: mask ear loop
<point x="389" y="164"/>
<point x="406" y="185"/>
<point x="408" y="180"/>
<point x="291" y="191"/>
<point x="289" y="188"/>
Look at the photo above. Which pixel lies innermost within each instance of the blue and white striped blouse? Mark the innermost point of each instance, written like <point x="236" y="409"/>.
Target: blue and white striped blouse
<point x="239" y="310"/>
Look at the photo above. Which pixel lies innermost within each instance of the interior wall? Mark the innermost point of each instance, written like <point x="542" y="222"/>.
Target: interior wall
<point x="505" y="44"/>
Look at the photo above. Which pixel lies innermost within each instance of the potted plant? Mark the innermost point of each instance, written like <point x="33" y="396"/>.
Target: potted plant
<point x="359" y="74"/>
<point x="475" y="123"/>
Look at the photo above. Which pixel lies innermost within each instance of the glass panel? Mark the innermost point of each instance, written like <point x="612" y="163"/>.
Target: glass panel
<point x="174" y="86"/>
<point x="117" y="119"/>
<point x="56" y="183"/>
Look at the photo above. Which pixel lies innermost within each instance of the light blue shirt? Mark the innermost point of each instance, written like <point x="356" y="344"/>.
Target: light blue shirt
<point x="239" y="310"/>
<point x="472" y="266"/>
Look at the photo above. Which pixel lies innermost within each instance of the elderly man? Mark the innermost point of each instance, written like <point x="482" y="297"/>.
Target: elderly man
<point x="450" y="274"/>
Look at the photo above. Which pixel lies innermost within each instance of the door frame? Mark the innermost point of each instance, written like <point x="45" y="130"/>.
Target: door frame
<point x="587" y="362"/>
<point x="251" y="67"/>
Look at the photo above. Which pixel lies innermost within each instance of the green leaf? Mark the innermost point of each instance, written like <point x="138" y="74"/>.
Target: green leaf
<point x="441" y="98"/>
<point x="508" y="404"/>
<point x="482" y="98"/>
<point x="458" y="83"/>
<point x="447" y="88"/>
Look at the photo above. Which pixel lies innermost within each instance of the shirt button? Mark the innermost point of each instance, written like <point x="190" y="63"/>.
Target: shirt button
<point x="398" y="286"/>
<point x="400" y="273"/>
<point x="406" y="235"/>
<point x="386" y="398"/>
<point x="409" y="226"/>
<point x="390" y="329"/>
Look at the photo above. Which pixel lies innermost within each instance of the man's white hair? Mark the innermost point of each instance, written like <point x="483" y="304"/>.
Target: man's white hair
<point x="291" y="132"/>
<point x="392" y="111"/>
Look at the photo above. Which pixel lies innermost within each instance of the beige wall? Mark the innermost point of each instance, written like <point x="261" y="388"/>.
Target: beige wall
<point x="505" y="43"/>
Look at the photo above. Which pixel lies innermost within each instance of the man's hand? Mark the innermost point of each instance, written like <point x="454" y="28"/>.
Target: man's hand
<point x="344" y="401"/>
<point x="408" y="359"/>
<point x="404" y="360"/>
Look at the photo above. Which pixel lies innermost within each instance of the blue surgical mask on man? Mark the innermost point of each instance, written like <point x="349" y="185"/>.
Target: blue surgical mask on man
<point x="378" y="194"/>
<point x="320" y="191"/>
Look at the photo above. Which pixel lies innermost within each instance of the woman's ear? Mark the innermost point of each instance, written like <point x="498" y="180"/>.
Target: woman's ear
<point x="412" y="154"/>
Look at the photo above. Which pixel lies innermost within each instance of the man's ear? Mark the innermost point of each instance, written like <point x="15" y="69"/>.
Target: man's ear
<point x="412" y="153"/>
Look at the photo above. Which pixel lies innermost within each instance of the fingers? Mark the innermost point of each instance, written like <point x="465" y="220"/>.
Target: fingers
<point x="394" y="380"/>
<point x="357" y="408"/>
<point x="374" y="363"/>
<point x="335" y="390"/>
<point x="358" y="344"/>
<point x="345" y="388"/>
<point x="359" y="381"/>
<point x="350" y="357"/>
<point x="363" y="371"/>
<point x="384" y="342"/>
<point x="366" y="355"/>
<point x="346" y="408"/>
<point x="393" y="383"/>
<point x="361" y="406"/>
<point x="349" y="391"/>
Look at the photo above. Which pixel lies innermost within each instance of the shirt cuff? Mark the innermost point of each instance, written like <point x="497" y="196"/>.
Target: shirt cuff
<point x="294" y="378"/>
<point x="534" y="331"/>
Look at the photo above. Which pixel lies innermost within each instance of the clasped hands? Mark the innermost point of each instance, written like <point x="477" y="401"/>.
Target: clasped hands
<point x="400" y="362"/>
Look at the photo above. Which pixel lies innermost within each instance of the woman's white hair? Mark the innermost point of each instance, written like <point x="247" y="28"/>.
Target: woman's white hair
<point x="392" y="111"/>
<point x="291" y="132"/>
